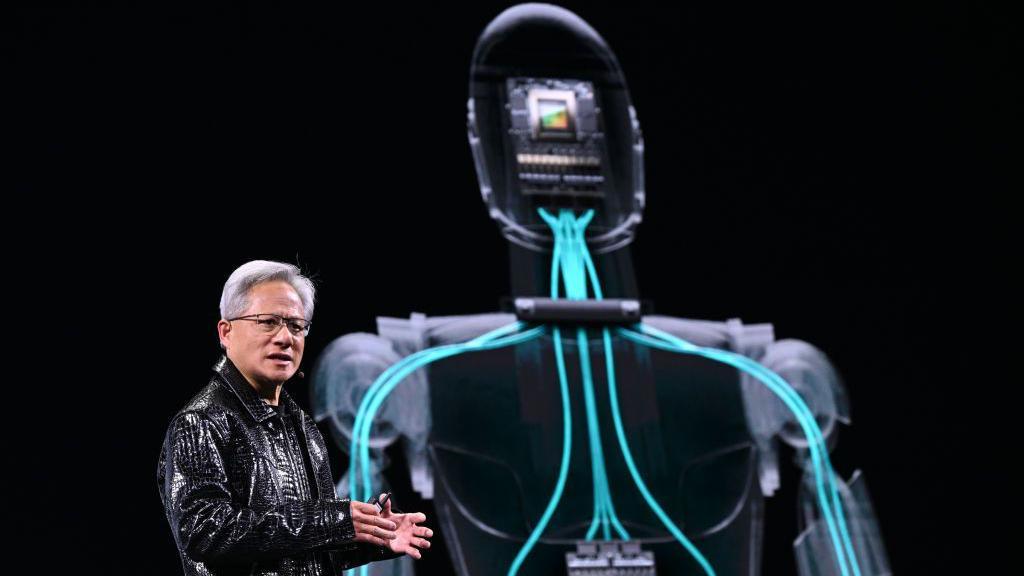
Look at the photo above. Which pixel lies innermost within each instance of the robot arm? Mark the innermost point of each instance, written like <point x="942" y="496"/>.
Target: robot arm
<point x="814" y="549"/>
<point x="343" y="374"/>
<point x="812" y="375"/>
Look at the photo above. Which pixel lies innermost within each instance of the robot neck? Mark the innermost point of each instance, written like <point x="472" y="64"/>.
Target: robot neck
<point x="530" y="273"/>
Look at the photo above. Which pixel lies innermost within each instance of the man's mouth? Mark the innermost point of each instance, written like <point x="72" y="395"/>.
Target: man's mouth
<point x="281" y="357"/>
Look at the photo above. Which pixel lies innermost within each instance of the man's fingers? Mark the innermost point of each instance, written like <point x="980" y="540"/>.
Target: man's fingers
<point x="364" y="508"/>
<point x="417" y="517"/>
<point x="371" y="539"/>
<point x="378" y="531"/>
<point x="414" y="553"/>
<point x="420" y="543"/>
<point x="423" y="531"/>
<point x="383" y="523"/>
<point x="373" y="520"/>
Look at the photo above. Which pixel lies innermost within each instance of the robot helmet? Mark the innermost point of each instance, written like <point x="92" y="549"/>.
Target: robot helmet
<point x="551" y="125"/>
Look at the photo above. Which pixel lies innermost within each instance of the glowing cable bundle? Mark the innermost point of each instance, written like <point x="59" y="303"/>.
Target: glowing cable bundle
<point x="572" y="263"/>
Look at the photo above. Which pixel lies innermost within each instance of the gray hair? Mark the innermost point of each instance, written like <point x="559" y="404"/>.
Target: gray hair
<point x="235" y="298"/>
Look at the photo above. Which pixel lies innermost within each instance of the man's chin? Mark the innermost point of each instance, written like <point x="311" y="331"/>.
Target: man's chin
<point x="278" y="374"/>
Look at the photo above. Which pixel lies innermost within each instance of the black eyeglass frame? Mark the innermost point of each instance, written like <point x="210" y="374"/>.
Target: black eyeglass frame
<point x="296" y="326"/>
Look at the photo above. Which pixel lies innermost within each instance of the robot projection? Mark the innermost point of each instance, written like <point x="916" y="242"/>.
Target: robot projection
<point x="575" y="434"/>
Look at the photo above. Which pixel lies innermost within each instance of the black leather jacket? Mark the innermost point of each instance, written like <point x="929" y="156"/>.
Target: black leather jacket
<point x="249" y="491"/>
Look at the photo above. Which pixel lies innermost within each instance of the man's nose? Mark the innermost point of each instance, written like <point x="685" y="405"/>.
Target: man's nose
<point x="284" y="336"/>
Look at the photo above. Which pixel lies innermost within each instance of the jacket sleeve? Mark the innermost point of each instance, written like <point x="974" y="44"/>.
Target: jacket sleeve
<point x="363" y="553"/>
<point x="211" y="525"/>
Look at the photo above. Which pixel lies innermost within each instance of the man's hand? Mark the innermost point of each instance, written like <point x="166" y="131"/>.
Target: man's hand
<point x="408" y="536"/>
<point x="369" y="525"/>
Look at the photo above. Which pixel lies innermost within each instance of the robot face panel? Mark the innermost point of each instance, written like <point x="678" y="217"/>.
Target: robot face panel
<point x="551" y="126"/>
<point x="559" y="150"/>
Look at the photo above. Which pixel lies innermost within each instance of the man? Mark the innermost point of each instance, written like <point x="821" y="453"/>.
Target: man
<point x="243" y="472"/>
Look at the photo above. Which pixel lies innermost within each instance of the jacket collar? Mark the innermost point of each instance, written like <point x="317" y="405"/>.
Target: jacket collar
<point x="241" y="388"/>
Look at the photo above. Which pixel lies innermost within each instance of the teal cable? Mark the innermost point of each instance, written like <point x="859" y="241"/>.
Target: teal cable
<point x="563" y="469"/>
<point x="816" y="439"/>
<point x="678" y="345"/>
<point x="570" y="234"/>
<point x="372" y="391"/>
<point x="577" y="242"/>
<point x="778" y="386"/>
<point x="575" y="289"/>
<point x="620" y="431"/>
<point x="637" y="479"/>
<point x="562" y="233"/>
<point x="399" y="375"/>
<point x="361" y="434"/>
<point x="575" y="267"/>
<point x="598" y="295"/>
<point x="391" y="378"/>
<point x="596" y="459"/>
<point x="556" y="253"/>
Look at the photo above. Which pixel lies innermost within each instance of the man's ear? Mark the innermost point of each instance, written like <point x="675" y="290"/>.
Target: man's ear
<point x="224" y="333"/>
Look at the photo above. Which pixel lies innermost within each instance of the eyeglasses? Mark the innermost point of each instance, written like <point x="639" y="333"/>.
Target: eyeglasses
<point x="271" y="323"/>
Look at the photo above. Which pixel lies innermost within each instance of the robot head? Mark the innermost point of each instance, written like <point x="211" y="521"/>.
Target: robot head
<point x="551" y="126"/>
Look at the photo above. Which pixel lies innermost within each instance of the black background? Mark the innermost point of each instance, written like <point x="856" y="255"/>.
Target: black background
<point x="836" y="170"/>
